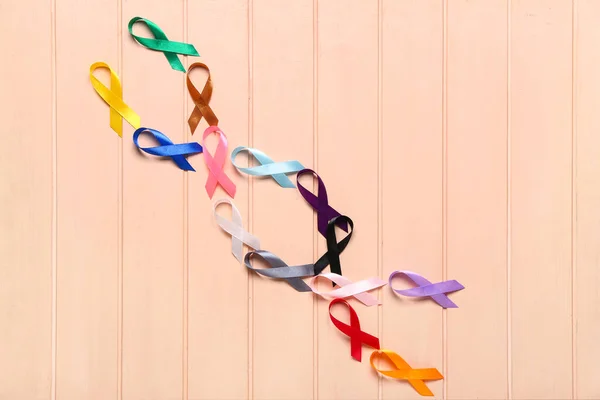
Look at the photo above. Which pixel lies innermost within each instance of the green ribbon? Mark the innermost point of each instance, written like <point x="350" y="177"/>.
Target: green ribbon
<point x="162" y="43"/>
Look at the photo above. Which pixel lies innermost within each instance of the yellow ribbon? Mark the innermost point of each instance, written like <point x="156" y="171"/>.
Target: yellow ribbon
<point x="404" y="371"/>
<point x="114" y="98"/>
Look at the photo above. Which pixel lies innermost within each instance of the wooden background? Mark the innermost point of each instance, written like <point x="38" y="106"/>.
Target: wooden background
<point x="461" y="137"/>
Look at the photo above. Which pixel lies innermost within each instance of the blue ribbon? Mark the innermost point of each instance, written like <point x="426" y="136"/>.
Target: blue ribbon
<point x="268" y="167"/>
<point x="177" y="152"/>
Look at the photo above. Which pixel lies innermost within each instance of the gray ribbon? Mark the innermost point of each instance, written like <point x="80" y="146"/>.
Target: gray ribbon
<point x="280" y="270"/>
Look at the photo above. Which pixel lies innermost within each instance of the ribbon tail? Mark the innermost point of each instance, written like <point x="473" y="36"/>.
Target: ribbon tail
<point x="174" y="61"/>
<point x="367" y="299"/>
<point x="444" y="301"/>
<point x="237" y="248"/>
<point x="226" y="183"/>
<point x="420" y="387"/>
<point x="116" y="123"/>
<point x="283" y="181"/>
<point x="183" y="163"/>
<point x="298" y="284"/>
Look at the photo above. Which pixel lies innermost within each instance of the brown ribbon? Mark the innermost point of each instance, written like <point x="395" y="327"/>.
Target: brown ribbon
<point x="201" y="107"/>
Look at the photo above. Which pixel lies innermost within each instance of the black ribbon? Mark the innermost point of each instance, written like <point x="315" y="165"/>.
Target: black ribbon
<point x="332" y="257"/>
<point x="280" y="270"/>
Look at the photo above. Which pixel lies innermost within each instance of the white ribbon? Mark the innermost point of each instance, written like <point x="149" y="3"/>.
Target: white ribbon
<point x="239" y="236"/>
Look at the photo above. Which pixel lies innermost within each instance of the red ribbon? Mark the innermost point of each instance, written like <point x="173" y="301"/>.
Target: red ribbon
<point x="357" y="337"/>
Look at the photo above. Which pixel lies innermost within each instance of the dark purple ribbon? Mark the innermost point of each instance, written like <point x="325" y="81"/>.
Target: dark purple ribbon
<point x="437" y="291"/>
<point x="320" y="203"/>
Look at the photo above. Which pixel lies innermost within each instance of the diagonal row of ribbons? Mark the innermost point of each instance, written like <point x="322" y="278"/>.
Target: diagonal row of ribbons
<point x="327" y="217"/>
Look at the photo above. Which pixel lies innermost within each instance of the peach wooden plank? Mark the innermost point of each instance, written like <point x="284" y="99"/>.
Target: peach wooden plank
<point x="347" y="163"/>
<point x="587" y="229"/>
<point x="153" y="215"/>
<point x="282" y="77"/>
<point x="477" y="206"/>
<point x="540" y="110"/>
<point x="412" y="216"/>
<point x="26" y="199"/>
<point x="88" y="237"/>
<point x="218" y="285"/>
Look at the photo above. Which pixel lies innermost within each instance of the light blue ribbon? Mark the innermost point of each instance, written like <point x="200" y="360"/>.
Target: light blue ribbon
<point x="268" y="167"/>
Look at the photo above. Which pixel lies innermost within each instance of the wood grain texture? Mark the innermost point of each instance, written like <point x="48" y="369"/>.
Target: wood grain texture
<point x="477" y="198"/>
<point x="347" y="133"/>
<point x="541" y="150"/>
<point x="27" y="198"/>
<point x="218" y="333"/>
<point x="586" y="277"/>
<point x="153" y="215"/>
<point x="283" y="318"/>
<point x="412" y="212"/>
<point x="87" y="235"/>
<point x="460" y="136"/>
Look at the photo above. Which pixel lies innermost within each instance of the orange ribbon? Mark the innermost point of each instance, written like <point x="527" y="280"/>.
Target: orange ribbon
<point x="404" y="371"/>
<point x="201" y="107"/>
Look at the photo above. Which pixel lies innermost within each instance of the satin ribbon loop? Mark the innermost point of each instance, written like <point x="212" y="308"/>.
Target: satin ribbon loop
<point x="320" y="202"/>
<point x="234" y="227"/>
<point x="404" y="371"/>
<point x="177" y="152"/>
<point x="280" y="270"/>
<point x="437" y="291"/>
<point x="357" y="336"/>
<point x="201" y="100"/>
<point x="268" y="167"/>
<point x="216" y="164"/>
<point x="161" y="43"/>
<point x="358" y="290"/>
<point x="332" y="257"/>
<point x="119" y="110"/>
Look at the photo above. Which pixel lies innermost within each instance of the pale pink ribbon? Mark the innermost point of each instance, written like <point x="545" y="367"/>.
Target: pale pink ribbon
<point x="358" y="290"/>
<point x="216" y="173"/>
<point x="234" y="227"/>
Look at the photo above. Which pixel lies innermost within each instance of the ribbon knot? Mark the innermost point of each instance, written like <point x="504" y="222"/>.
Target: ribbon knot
<point x="280" y="270"/>
<point x="161" y="43"/>
<point x="114" y="98"/>
<point x="239" y="236"/>
<point x="177" y="152"/>
<point x="201" y="100"/>
<point x="405" y="372"/>
<point x="319" y="203"/>
<point x="268" y="167"/>
<point x="332" y="256"/>
<point x="357" y="336"/>
<point x="358" y="290"/>
<point x="437" y="291"/>
<point x="216" y="164"/>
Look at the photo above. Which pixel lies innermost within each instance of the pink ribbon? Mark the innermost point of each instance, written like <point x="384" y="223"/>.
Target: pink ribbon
<point x="216" y="173"/>
<point x="358" y="290"/>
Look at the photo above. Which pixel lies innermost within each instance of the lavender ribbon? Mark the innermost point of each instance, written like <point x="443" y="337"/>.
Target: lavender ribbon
<point x="320" y="203"/>
<point x="280" y="270"/>
<point x="437" y="291"/>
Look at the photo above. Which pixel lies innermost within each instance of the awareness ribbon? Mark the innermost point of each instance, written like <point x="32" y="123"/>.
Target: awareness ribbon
<point x="201" y="107"/>
<point x="319" y="202"/>
<point x="437" y="291"/>
<point x="162" y="43"/>
<point x="268" y="167"/>
<point x="114" y="98"/>
<point x="216" y="173"/>
<point x="177" y="152"/>
<point x="358" y="290"/>
<point x="404" y="371"/>
<point x="357" y="337"/>
<point x="239" y="236"/>
<point x="332" y="256"/>
<point x="280" y="270"/>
